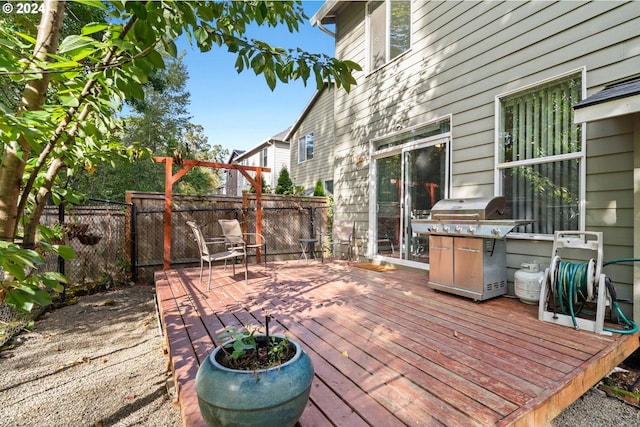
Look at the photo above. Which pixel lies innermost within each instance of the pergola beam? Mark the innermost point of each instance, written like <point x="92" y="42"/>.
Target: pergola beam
<point x="186" y="165"/>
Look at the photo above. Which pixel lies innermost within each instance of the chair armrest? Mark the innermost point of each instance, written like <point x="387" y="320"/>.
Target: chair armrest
<point x="263" y="241"/>
<point x="214" y="240"/>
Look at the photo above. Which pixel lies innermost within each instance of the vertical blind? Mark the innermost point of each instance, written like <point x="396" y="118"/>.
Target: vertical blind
<point x="541" y="156"/>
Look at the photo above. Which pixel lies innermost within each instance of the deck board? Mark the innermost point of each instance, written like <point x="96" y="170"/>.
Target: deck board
<point x="387" y="350"/>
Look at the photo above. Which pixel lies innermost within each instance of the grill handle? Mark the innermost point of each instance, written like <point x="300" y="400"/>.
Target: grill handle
<point x="455" y="216"/>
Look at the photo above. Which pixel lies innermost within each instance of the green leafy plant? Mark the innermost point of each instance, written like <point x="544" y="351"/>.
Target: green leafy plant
<point x="21" y="285"/>
<point x="72" y="87"/>
<point x="246" y="350"/>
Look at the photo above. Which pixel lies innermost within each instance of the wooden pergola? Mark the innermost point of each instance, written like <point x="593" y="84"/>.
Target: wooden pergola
<point x="185" y="166"/>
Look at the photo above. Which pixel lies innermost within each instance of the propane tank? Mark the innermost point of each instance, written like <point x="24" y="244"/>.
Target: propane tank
<point x="528" y="281"/>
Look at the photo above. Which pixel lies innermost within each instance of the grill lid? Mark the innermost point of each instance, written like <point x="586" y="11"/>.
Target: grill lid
<point x="474" y="208"/>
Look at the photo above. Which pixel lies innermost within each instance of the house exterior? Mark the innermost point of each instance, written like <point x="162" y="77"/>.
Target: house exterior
<point x="272" y="153"/>
<point x="231" y="176"/>
<point x="311" y="139"/>
<point x="476" y="99"/>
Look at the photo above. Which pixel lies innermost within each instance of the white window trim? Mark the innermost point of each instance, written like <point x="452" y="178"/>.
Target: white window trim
<point x="387" y="5"/>
<point x="446" y="137"/>
<point x="304" y="137"/>
<point x="581" y="155"/>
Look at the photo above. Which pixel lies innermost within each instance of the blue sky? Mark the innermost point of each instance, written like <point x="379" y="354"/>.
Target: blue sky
<point x="239" y="111"/>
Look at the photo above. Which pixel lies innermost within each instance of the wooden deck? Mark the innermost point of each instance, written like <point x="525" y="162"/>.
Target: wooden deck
<point x="387" y="350"/>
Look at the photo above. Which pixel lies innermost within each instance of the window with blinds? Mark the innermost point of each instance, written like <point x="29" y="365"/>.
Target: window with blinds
<point x="541" y="156"/>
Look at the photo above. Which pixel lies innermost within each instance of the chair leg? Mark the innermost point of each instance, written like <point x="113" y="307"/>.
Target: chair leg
<point x="201" y="268"/>
<point x="209" y="281"/>
<point x="246" y="268"/>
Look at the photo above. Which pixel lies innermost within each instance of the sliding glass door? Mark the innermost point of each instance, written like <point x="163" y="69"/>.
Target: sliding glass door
<point x="411" y="175"/>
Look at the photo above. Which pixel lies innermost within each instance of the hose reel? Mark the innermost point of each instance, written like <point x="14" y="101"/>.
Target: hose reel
<point x="569" y="285"/>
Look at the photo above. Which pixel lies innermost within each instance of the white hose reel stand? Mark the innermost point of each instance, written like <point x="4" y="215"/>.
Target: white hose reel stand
<point x="581" y="241"/>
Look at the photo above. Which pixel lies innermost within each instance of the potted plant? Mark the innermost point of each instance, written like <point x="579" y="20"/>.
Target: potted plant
<point x="254" y="380"/>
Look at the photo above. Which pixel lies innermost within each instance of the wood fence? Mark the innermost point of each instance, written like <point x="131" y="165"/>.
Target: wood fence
<point x="285" y="220"/>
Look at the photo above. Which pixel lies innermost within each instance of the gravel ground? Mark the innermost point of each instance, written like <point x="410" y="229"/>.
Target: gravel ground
<point x="96" y="364"/>
<point x="596" y="409"/>
<point x="90" y="364"/>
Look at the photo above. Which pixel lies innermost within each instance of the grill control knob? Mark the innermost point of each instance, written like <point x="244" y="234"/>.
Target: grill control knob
<point x="496" y="231"/>
<point x="445" y="228"/>
<point x="458" y="229"/>
<point x="436" y="228"/>
<point x="472" y="229"/>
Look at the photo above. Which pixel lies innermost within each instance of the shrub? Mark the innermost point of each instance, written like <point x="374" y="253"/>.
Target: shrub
<point x="285" y="185"/>
<point x="319" y="189"/>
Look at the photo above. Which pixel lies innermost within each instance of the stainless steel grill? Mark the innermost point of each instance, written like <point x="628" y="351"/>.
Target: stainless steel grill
<point x="479" y="217"/>
<point x="467" y="251"/>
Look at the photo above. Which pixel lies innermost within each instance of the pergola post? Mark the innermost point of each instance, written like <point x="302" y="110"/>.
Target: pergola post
<point x="186" y="166"/>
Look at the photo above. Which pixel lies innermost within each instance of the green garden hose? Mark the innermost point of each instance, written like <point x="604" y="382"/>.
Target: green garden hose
<point x="572" y="290"/>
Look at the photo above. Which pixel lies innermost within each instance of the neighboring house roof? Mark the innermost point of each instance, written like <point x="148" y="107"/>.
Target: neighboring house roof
<point x="300" y="119"/>
<point x="234" y="155"/>
<point x="279" y="137"/>
<point x="614" y="100"/>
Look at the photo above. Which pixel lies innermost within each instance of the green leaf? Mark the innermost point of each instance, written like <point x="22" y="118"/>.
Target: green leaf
<point x="53" y="275"/>
<point x="240" y="64"/>
<point x="66" y="252"/>
<point x="15" y="270"/>
<point x="141" y="30"/>
<point x="156" y="59"/>
<point x="36" y="294"/>
<point x="201" y="35"/>
<point x="138" y="9"/>
<point x="257" y="63"/>
<point x="171" y="48"/>
<point x="270" y="77"/>
<point x="19" y="300"/>
<point x="63" y="65"/>
<point x="69" y="101"/>
<point x="93" y="3"/>
<point x="75" y="42"/>
<point x="94" y="27"/>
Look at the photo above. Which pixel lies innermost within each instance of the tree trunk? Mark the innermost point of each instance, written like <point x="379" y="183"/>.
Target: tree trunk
<point x="33" y="97"/>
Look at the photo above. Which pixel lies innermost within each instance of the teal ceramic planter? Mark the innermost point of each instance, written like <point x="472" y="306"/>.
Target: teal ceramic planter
<point x="274" y="397"/>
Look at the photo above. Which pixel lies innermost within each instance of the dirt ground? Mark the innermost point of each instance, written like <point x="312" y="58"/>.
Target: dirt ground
<point x="96" y="363"/>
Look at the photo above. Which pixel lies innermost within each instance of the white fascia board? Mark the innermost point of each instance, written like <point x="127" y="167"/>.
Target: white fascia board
<point x="607" y="110"/>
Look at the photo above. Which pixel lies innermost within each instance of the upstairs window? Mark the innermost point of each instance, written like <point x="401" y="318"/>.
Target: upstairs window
<point x="541" y="156"/>
<point x="389" y="31"/>
<point x="264" y="159"/>
<point x="305" y="148"/>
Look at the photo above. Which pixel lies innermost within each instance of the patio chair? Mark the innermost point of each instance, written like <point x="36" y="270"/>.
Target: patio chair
<point x="240" y="241"/>
<point x="210" y="257"/>
<point x="343" y="234"/>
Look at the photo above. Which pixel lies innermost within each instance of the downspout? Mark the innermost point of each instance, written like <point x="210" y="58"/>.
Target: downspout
<point x="325" y="29"/>
<point x="322" y="13"/>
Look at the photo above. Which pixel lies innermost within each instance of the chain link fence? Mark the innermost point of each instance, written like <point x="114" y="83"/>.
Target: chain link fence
<point x="284" y="222"/>
<point x="119" y="242"/>
<point x="97" y="232"/>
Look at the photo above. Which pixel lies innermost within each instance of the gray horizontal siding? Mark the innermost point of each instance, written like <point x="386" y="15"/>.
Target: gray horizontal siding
<point x="463" y="55"/>
<point x="319" y="121"/>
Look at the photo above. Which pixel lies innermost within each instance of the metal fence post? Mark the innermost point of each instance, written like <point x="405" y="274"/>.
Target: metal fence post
<point x="61" y="221"/>
<point x="133" y="259"/>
